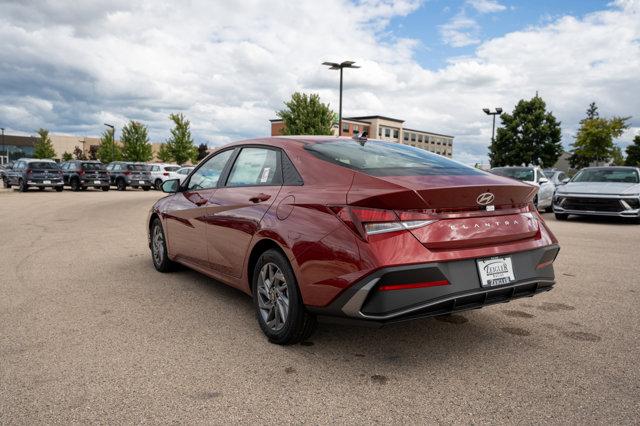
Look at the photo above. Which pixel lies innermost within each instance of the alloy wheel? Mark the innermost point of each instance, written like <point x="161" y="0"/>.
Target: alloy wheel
<point x="157" y="246"/>
<point x="273" y="296"/>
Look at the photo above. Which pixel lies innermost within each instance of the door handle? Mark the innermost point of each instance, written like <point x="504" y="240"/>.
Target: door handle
<point x="200" y="203"/>
<point x="260" y="197"/>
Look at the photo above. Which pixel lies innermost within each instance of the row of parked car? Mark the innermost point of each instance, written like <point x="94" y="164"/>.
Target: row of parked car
<point x="79" y="175"/>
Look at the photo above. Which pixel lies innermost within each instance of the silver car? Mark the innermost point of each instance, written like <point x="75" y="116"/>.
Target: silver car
<point x="600" y="191"/>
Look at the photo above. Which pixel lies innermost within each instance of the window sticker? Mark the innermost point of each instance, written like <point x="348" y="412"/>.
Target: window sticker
<point x="265" y="174"/>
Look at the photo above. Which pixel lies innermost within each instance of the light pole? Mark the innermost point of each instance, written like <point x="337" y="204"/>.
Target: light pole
<point x="113" y="136"/>
<point x="340" y="66"/>
<point x="3" y="149"/>
<point x="496" y="112"/>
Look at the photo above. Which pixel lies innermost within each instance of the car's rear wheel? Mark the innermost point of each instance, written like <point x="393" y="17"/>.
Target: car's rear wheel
<point x="562" y="216"/>
<point x="158" y="184"/>
<point x="146" y="188"/>
<point x="75" y="184"/>
<point x="159" y="255"/>
<point x="279" y="308"/>
<point x="121" y="185"/>
<point x="59" y="188"/>
<point x="22" y="185"/>
<point x="105" y="188"/>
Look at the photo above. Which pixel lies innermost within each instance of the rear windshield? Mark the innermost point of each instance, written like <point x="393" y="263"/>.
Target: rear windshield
<point x="607" y="175"/>
<point x="171" y="168"/>
<point x="379" y="158"/>
<point x="137" y="167"/>
<point x="93" y="166"/>
<point x="43" y="165"/>
<point x="525" y="174"/>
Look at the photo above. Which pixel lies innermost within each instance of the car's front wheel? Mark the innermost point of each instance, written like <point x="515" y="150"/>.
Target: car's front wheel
<point x="6" y="183"/>
<point x="279" y="308"/>
<point x="562" y="216"/>
<point x="121" y="185"/>
<point x="159" y="255"/>
<point x="158" y="184"/>
<point x="22" y="185"/>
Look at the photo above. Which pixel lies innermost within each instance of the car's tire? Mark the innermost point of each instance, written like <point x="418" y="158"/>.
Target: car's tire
<point x="84" y="188"/>
<point x="59" y="188"/>
<point x="535" y="203"/>
<point x="158" y="184"/>
<point x="159" y="255"/>
<point x="146" y="188"/>
<point x="275" y="291"/>
<point x="6" y="183"/>
<point x="562" y="216"/>
<point x="548" y="209"/>
<point x="74" y="184"/>
<point x="121" y="185"/>
<point x="105" y="188"/>
<point x="41" y="188"/>
<point x="22" y="185"/>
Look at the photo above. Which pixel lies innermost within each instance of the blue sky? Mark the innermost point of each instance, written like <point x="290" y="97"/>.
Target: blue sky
<point x="228" y="66"/>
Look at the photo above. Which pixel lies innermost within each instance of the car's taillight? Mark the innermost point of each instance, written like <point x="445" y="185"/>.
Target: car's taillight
<point x="365" y="222"/>
<point x="126" y="173"/>
<point x="165" y="174"/>
<point x="80" y="172"/>
<point x="29" y="171"/>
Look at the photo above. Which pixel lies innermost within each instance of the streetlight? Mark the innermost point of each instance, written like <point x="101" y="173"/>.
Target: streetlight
<point x="3" y="149"/>
<point x="113" y="147"/>
<point x="340" y="66"/>
<point x="496" y="112"/>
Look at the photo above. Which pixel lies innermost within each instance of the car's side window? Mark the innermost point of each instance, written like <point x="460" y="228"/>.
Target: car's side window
<point x="255" y="167"/>
<point x="207" y="176"/>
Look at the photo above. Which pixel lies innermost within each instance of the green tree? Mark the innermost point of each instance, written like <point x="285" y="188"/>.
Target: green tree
<point x="203" y="151"/>
<point x="530" y="135"/>
<point x="180" y="144"/>
<point x="306" y="115"/>
<point x="633" y="153"/>
<point x="617" y="159"/>
<point x="164" y="153"/>
<point x="67" y="156"/>
<point x="44" y="147"/>
<point x="594" y="141"/>
<point x="135" y="142"/>
<point x="93" y="152"/>
<point x="79" y="154"/>
<point x="108" y="150"/>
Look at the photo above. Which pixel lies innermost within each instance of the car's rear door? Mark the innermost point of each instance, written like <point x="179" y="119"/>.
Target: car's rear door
<point x="237" y="208"/>
<point x="185" y="220"/>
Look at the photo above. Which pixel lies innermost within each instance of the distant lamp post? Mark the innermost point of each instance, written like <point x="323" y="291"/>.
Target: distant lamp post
<point x="113" y="146"/>
<point x="496" y="112"/>
<point x="340" y="66"/>
<point x="3" y="146"/>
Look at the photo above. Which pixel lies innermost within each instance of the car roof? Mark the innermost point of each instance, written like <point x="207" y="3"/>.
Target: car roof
<point x="43" y="160"/>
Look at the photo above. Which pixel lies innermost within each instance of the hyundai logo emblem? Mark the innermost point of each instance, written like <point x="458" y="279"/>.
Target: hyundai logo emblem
<point x="485" y="198"/>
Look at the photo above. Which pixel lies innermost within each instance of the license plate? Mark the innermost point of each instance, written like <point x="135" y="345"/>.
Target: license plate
<point x="141" y="182"/>
<point x="46" y="182"/>
<point x="495" y="271"/>
<point x="96" y="182"/>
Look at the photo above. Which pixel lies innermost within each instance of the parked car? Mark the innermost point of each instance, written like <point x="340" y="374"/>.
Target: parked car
<point x="364" y="230"/>
<point x="30" y="172"/>
<point x="81" y="174"/>
<point x="3" y="172"/>
<point x="533" y="175"/>
<point x="600" y="191"/>
<point x="162" y="172"/>
<point x="182" y="173"/>
<point x="556" y="177"/>
<point x="124" y="174"/>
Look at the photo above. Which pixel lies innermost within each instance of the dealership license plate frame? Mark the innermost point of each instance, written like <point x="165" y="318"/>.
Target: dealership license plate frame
<point x="46" y="182"/>
<point x="495" y="271"/>
<point x="141" y="182"/>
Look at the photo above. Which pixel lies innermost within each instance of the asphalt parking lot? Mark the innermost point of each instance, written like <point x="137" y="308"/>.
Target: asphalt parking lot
<point x="90" y="332"/>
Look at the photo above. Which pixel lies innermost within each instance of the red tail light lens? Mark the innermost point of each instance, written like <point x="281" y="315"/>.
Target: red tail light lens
<point x="81" y="172"/>
<point x="389" y="287"/>
<point x="126" y="173"/>
<point x="365" y="222"/>
<point x="29" y="171"/>
<point x="165" y="174"/>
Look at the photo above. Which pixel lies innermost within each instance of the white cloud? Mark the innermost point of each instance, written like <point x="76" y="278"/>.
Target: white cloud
<point x="486" y="6"/>
<point x="460" y="31"/>
<point x="229" y="65"/>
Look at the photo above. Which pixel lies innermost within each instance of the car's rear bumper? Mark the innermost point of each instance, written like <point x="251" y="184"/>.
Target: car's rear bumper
<point x="39" y="183"/>
<point x="95" y="182"/>
<point x="364" y="301"/>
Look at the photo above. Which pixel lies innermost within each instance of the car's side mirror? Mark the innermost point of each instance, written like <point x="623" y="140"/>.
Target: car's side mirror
<point x="565" y="180"/>
<point x="543" y="180"/>
<point x="171" y="186"/>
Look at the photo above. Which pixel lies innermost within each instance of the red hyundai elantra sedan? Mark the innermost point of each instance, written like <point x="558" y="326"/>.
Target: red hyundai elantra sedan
<point x="349" y="228"/>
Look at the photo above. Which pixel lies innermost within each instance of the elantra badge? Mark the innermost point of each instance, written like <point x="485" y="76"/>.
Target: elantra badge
<point x="485" y="198"/>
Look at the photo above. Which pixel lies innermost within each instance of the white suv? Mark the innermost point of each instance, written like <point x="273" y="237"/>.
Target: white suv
<point x="162" y="172"/>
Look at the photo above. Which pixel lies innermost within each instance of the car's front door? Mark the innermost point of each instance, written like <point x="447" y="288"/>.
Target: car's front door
<point x="238" y="206"/>
<point x="186" y="229"/>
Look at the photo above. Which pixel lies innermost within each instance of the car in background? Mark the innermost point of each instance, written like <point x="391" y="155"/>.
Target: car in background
<point x="556" y="177"/>
<point x="124" y="174"/>
<point x="366" y="230"/>
<point x="81" y="174"/>
<point x="600" y="191"/>
<point x="161" y="172"/>
<point x="34" y="173"/>
<point x="533" y="175"/>
<point x="182" y="173"/>
<point x="3" y="172"/>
